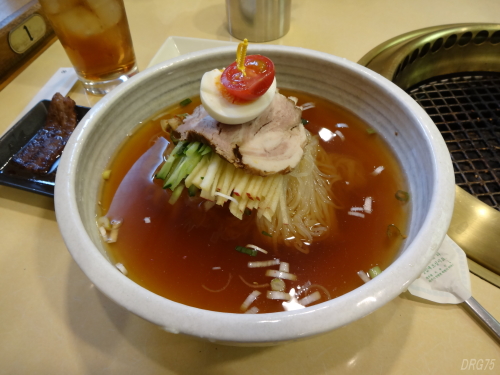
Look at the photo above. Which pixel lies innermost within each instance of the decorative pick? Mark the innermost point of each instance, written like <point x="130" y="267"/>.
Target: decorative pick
<point x="241" y="53"/>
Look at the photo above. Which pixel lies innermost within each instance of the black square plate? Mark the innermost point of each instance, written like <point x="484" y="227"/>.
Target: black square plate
<point x="16" y="138"/>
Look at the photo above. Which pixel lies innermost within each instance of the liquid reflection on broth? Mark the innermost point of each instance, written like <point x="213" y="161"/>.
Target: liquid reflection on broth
<point x="187" y="254"/>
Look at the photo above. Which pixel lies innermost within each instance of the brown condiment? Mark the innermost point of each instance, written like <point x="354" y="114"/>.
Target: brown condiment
<point x="40" y="153"/>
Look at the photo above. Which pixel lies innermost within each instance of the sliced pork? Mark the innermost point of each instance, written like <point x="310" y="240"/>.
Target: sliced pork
<point x="272" y="143"/>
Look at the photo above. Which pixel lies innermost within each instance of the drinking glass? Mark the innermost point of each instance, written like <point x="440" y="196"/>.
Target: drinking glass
<point x="96" y="37"/>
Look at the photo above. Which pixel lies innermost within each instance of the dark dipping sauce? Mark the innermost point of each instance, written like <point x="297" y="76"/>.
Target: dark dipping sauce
<point x="184" y="248"/>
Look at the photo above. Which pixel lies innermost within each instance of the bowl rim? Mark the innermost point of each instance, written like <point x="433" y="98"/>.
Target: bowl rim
<point x="256" y="328"/>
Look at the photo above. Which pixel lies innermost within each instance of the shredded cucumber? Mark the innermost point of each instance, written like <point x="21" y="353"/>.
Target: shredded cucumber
<point x="205" y="150"/>
<point x="193" y="165"/>
<point x="182" y="161"/>
<point x="165" y="169"/>
<point x="176" y="194"/>
<point x="192" y="148"/>
<point x="184" y="168"/>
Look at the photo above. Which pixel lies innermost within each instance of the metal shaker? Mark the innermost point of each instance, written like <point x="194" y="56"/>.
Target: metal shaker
<point x="258" y="20"/>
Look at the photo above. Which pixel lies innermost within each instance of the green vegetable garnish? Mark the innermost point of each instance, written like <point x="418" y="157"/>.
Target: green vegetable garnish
<point x="248" y="211"/>
<point x="174" y="140"/>
<point x="176" y="194"/>
<point x="192" y="190"/>
<point x="192" y="149"/>
<point x="205" y="150"/>
<point x="304" y="121"/>
<point x="181" y="162"/>
<point x="182" y="149"/>
<point x="402" y="196"/>
<point x="266" y="234"/>
<point x="106" y="174"/>
<point x="371" y="131"/>
<point x="185" y="102"/>
<point x="394" y="230"/>
<point x="184" y="115"/>
<point x="374" y="271"/>
<point x="183" y="168"/>
<point x="165" y="169"/>
<point x="278" y="285"/>
<point x="247" y="250"/>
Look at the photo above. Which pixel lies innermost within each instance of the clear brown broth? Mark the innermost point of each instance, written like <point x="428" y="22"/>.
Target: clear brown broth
<point x="175" y="255"/>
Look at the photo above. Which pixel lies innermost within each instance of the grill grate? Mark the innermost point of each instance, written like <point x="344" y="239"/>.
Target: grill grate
<point x="466" y="109"/>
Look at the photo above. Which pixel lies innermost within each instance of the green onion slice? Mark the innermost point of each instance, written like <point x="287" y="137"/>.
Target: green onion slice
<point x="375" y="271"/>
<point x="192" y="190"/>
<point x="402" y="196"/>
<point x="371" y="131"/>
<point x="266" y="234"/>
<point x="185" y="102"/>
<point x="247" y="250"/>
<point x="304" y="121"/>
<point x="278" y="285"/>
<point x="394" y="230"/>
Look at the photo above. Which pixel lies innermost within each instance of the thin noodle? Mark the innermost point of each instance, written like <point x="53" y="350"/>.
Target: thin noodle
<point x="327" y="293"/>
<point x="310" y="206"/>
<point x="218" y="290"/>
<point x="253" y="285"/>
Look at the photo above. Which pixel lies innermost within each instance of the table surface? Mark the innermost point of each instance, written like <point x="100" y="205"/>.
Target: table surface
<point x="53" y="320"/>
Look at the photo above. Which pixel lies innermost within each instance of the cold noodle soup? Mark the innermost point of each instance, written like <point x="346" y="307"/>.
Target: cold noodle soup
<point x="186" y="251"/>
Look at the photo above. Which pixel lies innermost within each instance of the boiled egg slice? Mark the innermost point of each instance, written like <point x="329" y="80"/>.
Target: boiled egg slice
<point x="222" y="109"/>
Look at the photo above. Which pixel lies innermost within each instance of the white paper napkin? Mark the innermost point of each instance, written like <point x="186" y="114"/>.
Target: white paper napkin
<point x="446" y="279"/>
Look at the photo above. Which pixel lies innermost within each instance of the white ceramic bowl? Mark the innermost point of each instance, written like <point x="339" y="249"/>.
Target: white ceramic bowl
<point x="419" y="147"/>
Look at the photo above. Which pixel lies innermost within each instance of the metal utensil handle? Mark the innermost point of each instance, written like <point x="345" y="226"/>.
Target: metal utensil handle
<point x="488" y="320"/>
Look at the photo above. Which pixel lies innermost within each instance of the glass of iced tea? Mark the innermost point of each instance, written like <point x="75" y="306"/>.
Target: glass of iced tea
<point x="96" y="37"/>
